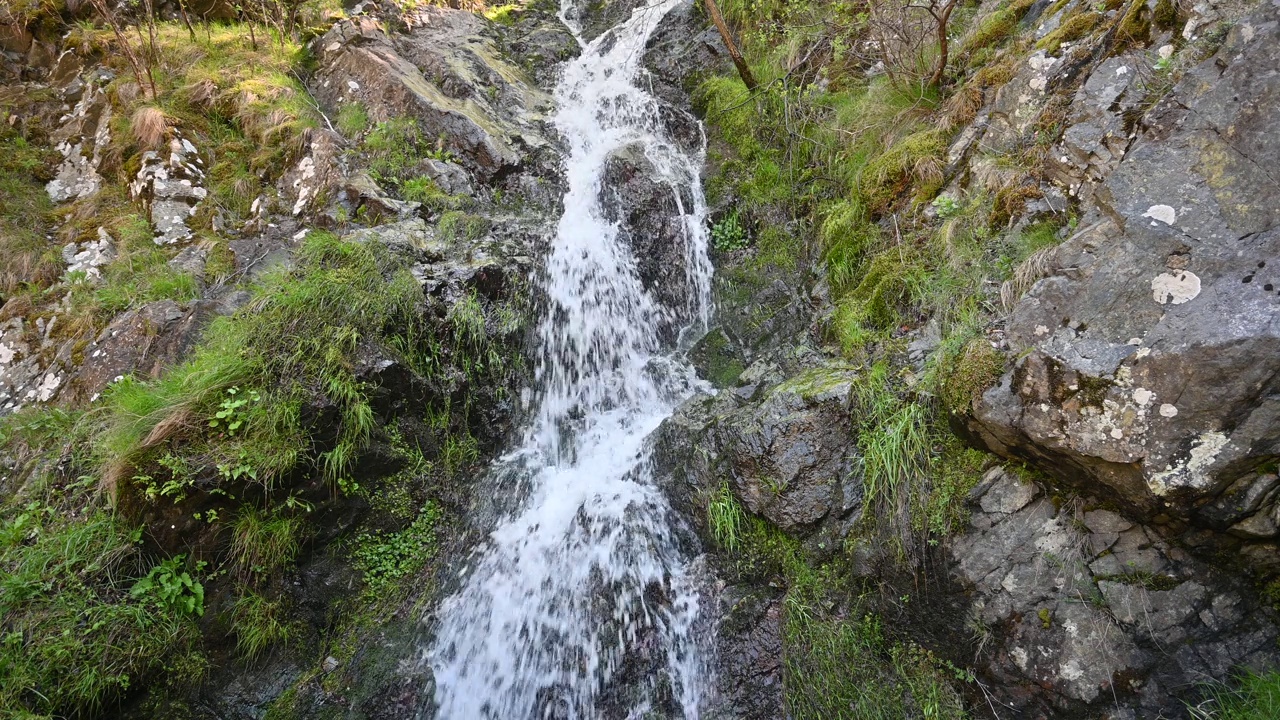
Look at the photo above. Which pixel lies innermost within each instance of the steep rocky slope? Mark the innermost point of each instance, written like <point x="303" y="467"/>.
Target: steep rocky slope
<point x="1122" y="561"/>
<point x="995" y="429"/>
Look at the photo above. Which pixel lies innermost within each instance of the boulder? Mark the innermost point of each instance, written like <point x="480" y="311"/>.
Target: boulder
<point x="141" y="342"/>
<point x="787" y="455"/>
<point x="445" y="73"/>
<point x="1150" y="360"/>
<point x="1080" y="609"/>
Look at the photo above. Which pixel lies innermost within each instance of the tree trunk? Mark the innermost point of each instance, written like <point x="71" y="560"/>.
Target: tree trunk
<point x="743" y="70"/>
<point x="942" y="19"/>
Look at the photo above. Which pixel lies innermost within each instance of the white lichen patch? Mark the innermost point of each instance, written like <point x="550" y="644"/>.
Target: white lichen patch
<point x="306" y="171"/>
<point x="1163" y="213"/>
<point x="48" y="386"/>
<point x="1143" y="396"/>
<point x="1175" y="288"/>
<point x="6" y="354"/>
<point x="1167" y="410"/>
<point x="1193" y="471"/>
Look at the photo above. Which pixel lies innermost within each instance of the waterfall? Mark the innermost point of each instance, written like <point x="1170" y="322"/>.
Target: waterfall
<point x="582" y="603"/>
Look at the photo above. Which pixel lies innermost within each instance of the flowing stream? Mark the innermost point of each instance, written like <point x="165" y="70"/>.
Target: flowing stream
<point x="582" y="603"/>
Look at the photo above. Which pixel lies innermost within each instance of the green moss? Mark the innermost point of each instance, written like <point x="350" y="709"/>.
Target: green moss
<point x="1134" y="29"/>
<point x="916" y="158"/>
<point x="991" y="31"/>
<point x="716" y="360"/>
<point x="941" y="505"/>
<point x="1165" y="16"/>
<point x="883" y="292"/>
<point x="968" y="373"/>
<point x="1071" y="29"/>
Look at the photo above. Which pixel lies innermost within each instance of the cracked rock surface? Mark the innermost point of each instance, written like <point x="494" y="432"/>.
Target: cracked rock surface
<point x="1151" y="357"/>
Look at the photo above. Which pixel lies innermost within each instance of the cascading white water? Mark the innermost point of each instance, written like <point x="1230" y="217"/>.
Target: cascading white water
<point x="586" y="578"/>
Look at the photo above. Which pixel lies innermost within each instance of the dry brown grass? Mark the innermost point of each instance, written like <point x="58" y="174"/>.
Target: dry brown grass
<point x="1040" y="264"/>
<point x="928" y="170"/>
<point x="961" y="108"/>
<point x="179" y="417"/>
<point x="149" y="127"/>
<point x="201" y="93"/>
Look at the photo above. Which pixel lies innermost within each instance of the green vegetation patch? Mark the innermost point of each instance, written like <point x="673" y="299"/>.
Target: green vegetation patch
<point x="1256" y="697"/>
<point x="26" y="256"/>
<point x="82" y="618"/>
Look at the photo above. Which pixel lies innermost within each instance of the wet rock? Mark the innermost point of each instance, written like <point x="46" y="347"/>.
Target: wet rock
<point x="682" y="49"/>
<point x="363" y="191"/>
<point x="653" y="217"/>
<point x="445" y="73"/>
<point x="787" y="456"/>
<point x="540" y="41"/>
<point x="1149" y="359"/>
<point x="749" y="649"/>
<point x="449" y="177"/>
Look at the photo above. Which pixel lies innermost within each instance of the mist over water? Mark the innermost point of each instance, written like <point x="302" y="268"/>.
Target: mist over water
<point x="585" y="582"/>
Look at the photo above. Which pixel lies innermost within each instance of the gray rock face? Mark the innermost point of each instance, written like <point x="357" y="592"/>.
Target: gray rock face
<point x="447" y="75"/>
<point x="1152" y="357"/>
<point x="1080" y="609"/>
<point x="89" y="257"/>
<point x="82" y="136"/>
<point x="787" y="453"/>
<point x="170" y="184"/>
<point x="1096" y="139"/>
<point x="791" y="455"/>
<point x="143" y="342"/>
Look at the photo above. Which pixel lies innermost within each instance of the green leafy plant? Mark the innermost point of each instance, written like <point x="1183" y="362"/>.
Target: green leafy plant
<point x="729" y="234"/>
<point x="385" y="558"/>
<point x="946" y="206"/>
<point x="170" y="586"/>
<point x="232" y="413"/>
